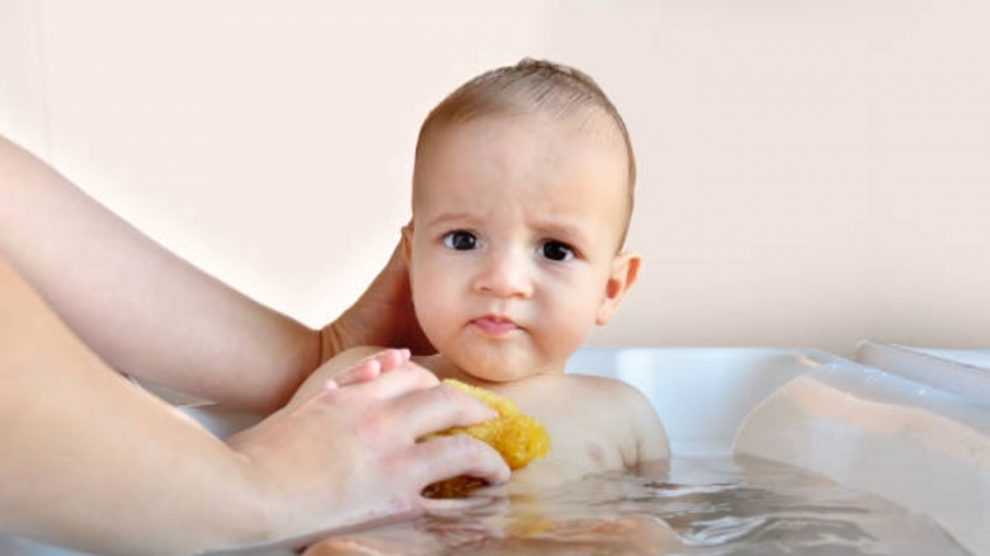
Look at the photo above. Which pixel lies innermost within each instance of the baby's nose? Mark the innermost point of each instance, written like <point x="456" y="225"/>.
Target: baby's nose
<point x="504" y="275"/>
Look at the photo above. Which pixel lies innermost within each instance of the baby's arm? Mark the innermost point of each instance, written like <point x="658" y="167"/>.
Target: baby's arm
<point x="651" y="438"/>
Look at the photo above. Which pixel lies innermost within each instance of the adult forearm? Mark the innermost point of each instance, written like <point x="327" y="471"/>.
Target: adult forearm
<point x="92" y="461"/>
<point x="141" y="308"/>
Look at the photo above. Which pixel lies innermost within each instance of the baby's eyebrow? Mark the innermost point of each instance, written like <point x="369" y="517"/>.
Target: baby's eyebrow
<point x="569" y="232"/>
<point x="445" y="217"/>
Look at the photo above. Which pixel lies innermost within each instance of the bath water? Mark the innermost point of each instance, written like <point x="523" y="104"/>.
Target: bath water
<point x="709" y="506"/>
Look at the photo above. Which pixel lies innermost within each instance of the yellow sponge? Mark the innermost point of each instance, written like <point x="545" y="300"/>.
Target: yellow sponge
<point x="518" y="437"/>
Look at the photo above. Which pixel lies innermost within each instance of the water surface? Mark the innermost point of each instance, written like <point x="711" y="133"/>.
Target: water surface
<point x="709" y="506"/>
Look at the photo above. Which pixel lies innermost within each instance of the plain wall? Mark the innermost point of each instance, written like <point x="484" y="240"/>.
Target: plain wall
<point x="811" y="173"/>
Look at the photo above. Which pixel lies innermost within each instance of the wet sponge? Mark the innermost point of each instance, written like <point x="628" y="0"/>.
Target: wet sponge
<point x="518" y="437"/>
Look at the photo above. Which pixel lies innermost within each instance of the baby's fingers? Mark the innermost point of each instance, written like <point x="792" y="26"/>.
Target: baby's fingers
<point x="407" y="378"/>
<point x="370" y="368"/>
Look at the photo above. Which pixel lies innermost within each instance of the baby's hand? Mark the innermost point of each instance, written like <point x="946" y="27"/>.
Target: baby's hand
<point x="351" y="367"/>
<point x="370" y="368"/>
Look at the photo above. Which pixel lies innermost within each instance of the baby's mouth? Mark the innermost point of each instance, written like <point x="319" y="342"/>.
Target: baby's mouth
<point x="495" y="325"/>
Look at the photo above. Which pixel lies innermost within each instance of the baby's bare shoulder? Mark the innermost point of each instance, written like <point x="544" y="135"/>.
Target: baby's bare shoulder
<point x="571" y="389"/>
<point x="650" y="437"/>
<point x="605" y="387"/>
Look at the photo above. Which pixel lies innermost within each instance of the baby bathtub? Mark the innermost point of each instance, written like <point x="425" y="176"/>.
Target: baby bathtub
<point x="922" y="447"/>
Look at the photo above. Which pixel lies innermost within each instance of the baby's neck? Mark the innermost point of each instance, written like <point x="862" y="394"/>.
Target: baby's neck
<point x="446" y="369"/>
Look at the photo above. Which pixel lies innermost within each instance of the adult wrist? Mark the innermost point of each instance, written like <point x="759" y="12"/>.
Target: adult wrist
<point x="248" y="516"/>
<point x="332" y="341"/>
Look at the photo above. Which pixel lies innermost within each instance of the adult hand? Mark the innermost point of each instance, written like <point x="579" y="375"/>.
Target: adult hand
<point x="382" y="316"/>
<point x="350" y="453"/>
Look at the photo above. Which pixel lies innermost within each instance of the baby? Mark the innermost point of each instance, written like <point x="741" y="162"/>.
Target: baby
<point x="522" y="194"/>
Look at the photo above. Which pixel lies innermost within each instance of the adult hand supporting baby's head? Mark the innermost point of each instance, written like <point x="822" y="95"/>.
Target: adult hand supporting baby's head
<point x="349" y="454"/>
<point x="382" y="316"/>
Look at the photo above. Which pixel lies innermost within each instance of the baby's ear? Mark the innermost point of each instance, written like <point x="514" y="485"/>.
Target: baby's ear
<point x="407" y="232"/>
<point x="625" y="269"/>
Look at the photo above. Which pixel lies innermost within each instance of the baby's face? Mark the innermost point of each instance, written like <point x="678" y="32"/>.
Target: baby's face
<point x="513" y="249"/>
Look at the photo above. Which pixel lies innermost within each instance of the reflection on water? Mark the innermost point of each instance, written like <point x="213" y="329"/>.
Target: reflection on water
<point x="709" y="506"/>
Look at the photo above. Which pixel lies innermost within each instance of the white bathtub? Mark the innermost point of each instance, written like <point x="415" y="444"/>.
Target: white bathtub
<point x="961" y="371"/>
<point x="922" y="447"/>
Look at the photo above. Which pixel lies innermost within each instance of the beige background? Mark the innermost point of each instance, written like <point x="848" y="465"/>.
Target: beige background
<point x="812" y="173"/>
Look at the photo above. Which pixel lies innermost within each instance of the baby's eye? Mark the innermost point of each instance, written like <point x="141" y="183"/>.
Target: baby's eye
<point x="557" y="251"/>
<point x="460" y="240"/>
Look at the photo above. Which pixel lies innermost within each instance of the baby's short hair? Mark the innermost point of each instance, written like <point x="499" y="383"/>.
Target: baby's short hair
<point x="531" y="85"/>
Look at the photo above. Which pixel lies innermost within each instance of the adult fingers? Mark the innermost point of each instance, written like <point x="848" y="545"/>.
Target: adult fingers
<point x="439" y="408"/>
<point x="452" y="507"/>
<point x="446" y="457"/>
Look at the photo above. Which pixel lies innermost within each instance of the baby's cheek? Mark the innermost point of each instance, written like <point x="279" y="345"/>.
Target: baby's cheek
<point x="437" y="322"/>
<point x="564" y="335"/>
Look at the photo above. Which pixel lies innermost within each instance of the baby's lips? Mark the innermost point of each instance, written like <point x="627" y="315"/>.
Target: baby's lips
<point x="495" y="325"/>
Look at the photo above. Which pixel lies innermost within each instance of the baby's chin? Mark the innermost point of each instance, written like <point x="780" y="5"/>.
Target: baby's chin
<point x="497" y="368"/>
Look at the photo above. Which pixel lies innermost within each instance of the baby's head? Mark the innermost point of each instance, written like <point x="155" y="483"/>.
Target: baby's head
<point x="522" y="193"/>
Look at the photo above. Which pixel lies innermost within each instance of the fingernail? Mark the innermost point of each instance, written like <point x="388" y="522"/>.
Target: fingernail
<point x="330" y="385"/>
